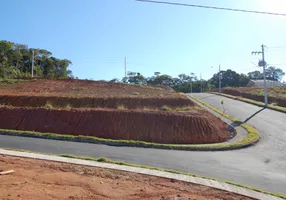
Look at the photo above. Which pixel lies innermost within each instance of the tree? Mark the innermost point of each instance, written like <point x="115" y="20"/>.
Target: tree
<point x="229" y="78"/>
<point x="136" y="78"/>
<point x="273" y="73"/>
<point x="256" y="75"/>
<point x="16" y="61"/>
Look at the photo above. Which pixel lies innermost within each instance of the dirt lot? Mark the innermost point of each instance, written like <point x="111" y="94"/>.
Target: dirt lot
<point x="36" y="179"/>
<point x="193" y="127"/>
<point x="84" y="88"/>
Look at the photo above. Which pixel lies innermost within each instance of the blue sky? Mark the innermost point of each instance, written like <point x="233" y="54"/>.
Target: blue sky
<point x="96" y="35"/>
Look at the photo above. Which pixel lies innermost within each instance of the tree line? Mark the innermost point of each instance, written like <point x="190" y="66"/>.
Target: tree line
<point x="16" y="62"/>
<point x="190" y="83"/>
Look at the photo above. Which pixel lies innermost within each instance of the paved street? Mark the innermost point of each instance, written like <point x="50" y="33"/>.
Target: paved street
<point x="262" y="166"/>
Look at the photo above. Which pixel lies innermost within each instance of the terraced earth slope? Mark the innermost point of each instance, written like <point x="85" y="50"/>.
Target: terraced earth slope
<point x="84" y="93"/>
<point x="196" y="127"/>
<point x="107" y="110"/>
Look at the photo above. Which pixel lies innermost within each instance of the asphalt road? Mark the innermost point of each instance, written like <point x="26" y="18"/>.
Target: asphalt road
<point x="262" y="166"/>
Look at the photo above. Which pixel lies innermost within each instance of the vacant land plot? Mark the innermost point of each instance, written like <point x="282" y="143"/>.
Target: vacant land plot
<point x="37" y="179"/>
<point x="277" y="95"/>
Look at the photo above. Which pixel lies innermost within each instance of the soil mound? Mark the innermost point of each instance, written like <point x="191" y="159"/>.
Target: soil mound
<point x="161" y="127"/>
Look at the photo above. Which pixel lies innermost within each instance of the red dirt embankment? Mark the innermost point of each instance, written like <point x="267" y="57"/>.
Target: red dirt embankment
<point x="84" y="88"/>
<point x="89" y="102"/>
<point x="160" y="127"/>
<point x="236" y="92"/>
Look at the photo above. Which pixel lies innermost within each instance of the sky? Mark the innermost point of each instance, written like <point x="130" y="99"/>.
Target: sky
<point x="96" y="35"/>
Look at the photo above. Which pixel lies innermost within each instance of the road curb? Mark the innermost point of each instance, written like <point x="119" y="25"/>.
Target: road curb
<point x="246" y="101"/>
<point x="249" y="140"/>
<point x="151" y="172"/>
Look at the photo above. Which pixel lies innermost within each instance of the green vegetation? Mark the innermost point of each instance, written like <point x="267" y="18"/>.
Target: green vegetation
<point x="48" y="106"/>
<point x="16" y="61"/>
<point x="68" y="107"/>
<point x="120" y="107"/>
<point x="165" y="108"/>
<point x="185" y="83"/>
<point x="8" y="81"/>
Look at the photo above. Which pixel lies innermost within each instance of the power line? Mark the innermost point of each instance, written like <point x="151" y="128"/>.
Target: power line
<point x="279" y="47"/>
<point x="213" y="7"/>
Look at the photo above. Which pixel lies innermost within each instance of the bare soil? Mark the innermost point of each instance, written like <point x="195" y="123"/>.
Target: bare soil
<point x="37" y="179"/>
<point x="83" y="93"/>
<point x="84" y="88"/>
<point x="194" y="127"/>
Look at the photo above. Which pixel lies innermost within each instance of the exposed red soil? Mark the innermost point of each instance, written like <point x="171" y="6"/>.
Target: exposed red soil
<point x="248" y="93"/>
<point x="90" y="102"/>
<point x="37" y="179"/>
<point x="160" y="127"/>
<point x="84" y="88"/>
<point x="83" y="93"/>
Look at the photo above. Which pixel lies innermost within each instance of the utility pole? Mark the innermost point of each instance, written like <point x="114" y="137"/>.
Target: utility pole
<point x="219" y="80"/>
<point x="201" y="83"/>
<point x="33" y="57"/>
<point x="125" y="75"/>
<point x="262" y="63"/>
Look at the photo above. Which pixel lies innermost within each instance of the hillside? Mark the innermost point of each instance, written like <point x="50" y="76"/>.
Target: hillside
<point x="83" y="88"/>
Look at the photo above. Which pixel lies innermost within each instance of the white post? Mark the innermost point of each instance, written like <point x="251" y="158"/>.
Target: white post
<point x="219" y="83"/>
<point x="33" y="62"/>
<point x="201" y="83"/>
<point x="125" y="67"/>
<point x="264" y="77"/>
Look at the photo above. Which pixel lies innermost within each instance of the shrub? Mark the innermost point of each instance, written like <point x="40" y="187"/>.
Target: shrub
<point x="165" y="108"/>
<point x="120" y="107"/>
<point x="68" y="107"/>
<point x="48" y="106"/>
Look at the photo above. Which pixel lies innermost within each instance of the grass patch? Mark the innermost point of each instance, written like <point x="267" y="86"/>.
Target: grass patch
<point x="49" y="106"/>
<point x="121" y="107"/>
<point x="68" y="107"/>
<point x="165" y="108"/>
<point x="9" y="81"/>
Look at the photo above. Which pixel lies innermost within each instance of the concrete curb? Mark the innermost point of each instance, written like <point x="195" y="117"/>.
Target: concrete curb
<point x="190" y="179"/>
<point x="245" y="101"/>
<point x="239" y="129"/>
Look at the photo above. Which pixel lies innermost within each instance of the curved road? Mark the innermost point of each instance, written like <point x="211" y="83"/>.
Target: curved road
<point x="262" y="166"/>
